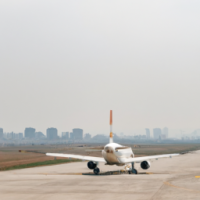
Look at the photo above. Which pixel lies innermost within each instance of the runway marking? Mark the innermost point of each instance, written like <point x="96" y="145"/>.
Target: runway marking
<point x="197" y="176"/>
<point x="174" y="186"/>
<point x="149" y="173"/>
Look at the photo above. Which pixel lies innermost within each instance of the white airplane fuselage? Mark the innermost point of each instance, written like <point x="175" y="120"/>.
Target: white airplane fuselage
<point x="113" y="154"/>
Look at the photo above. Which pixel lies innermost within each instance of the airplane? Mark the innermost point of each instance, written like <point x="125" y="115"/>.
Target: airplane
<point x="115" y="154"/>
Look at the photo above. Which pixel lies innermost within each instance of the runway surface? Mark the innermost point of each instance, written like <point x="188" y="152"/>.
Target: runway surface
<point x="168" y="178"/>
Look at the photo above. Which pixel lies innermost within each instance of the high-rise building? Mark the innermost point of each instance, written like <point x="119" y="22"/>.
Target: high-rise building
<point x="87" y="136"/>
<point x="65" y="135"/>
<point x="71" y="135"/>
<point x="39" y="135"/>
<point x="1" y="133"/>
<point x="157" y="132"/>
<point x="29" y="133"/>
<point x="165" y="132"/>
<point x="77" y="134"/>
<point x="147" y="132"/>
<point x="52" y="133"/>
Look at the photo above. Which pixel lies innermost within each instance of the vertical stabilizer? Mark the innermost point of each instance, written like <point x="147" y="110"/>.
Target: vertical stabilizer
<point x="111" y="134"/>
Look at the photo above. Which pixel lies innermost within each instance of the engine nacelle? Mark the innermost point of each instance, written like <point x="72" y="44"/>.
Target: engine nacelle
<point x="91" y="165"/>
<point x="145" y="165"/>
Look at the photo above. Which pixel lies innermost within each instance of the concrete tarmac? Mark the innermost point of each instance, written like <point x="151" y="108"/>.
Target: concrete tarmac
<point x="168" y="178"/>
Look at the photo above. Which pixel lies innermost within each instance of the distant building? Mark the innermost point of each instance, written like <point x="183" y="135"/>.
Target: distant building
<point x="1" y="133"/>
<point x="52" y="133"/>
<point x="77" y="134"/>
<point x="65" y="135"/>
<point x="39" y="135"/>
<point x="7" y="135"/>
<point x="100" y="138"/>
<point x="20" y="136"/>
<point x="157" y="133"/>
<point x="165" y="132"/>
<point x="87" y="136"/>
<point x="147" y="133"/>
<point x="139" y="137"/>
<point x="71" y="135"/>
<point x="163" y="137"/>
<point x="15" y="136"/>
<point x="29" y="133"/>
<point x="10" y="136"/>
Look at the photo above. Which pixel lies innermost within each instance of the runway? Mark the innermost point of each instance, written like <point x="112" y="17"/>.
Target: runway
<point x="168" y="178"/>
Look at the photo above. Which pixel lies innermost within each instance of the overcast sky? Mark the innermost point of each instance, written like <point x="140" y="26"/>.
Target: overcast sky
<point x="65" y="64"/>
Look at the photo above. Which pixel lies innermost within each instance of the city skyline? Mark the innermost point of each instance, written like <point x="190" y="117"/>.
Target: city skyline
<point x="169" y="133"/>
<point x="172" y="132"/>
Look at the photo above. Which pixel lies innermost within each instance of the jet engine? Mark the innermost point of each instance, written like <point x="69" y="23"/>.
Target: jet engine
<point x="145" y="165"/>
<point x="91" y="165"/>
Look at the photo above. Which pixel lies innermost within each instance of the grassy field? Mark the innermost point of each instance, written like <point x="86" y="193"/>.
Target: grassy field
<point x="36" y="164"/>
<point x="11" y="158"/>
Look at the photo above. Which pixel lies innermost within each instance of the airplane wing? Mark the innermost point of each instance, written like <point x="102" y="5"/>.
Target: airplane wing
<point x="89" y="158"/>
<point x="145" y="158"/>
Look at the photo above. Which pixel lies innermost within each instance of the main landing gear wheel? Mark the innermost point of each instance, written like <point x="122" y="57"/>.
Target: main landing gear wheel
<point x="132" y="171"/>
<point x="96" y="171"/>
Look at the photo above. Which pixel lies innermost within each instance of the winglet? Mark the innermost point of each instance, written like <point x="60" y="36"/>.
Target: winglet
<point x="111" y="134"/>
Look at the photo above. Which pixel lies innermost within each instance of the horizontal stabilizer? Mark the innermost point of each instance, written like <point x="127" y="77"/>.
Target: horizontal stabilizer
<point x="119" y="148"/>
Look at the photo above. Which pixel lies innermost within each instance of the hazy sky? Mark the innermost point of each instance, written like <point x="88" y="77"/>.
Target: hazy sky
<point x="65" y="64"/>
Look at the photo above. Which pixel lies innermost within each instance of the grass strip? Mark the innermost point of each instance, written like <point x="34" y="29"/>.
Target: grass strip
<point x="37" y="164"/>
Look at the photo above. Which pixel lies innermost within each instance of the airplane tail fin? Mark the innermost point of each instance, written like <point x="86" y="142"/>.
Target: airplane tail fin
<point x="111" y="134"/>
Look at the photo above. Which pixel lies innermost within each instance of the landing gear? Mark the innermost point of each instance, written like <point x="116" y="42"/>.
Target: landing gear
<point x="133" y="170"/>
<point x="96" y="171"/>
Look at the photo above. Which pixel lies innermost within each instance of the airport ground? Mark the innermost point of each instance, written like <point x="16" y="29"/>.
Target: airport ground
<point x="168" y="178"/>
